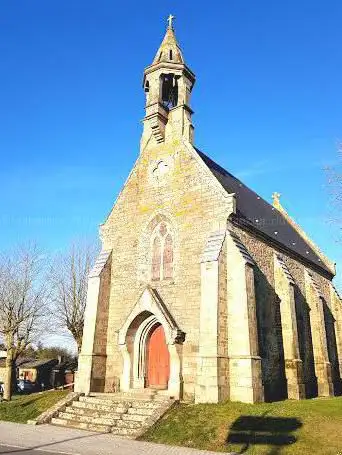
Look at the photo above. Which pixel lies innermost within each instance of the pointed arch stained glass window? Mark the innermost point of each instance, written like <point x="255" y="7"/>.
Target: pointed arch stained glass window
<point x="162" y="253"/>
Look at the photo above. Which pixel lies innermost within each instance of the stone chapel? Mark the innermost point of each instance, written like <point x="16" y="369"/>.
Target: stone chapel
<point x="203" y="290"/>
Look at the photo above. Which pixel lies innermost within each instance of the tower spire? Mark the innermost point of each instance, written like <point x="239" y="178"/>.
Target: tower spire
<point x="169" y="50"/>
<point x="168" y="83"/>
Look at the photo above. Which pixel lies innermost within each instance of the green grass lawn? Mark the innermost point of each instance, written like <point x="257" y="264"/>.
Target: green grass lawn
<point x="25" y="407"/>
<point x="282" y="428"/>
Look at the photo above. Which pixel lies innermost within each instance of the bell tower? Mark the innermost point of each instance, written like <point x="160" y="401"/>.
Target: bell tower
<point x="168" y="83"/>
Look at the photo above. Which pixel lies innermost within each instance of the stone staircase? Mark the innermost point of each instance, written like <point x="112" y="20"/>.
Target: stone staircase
<point x="124" y="414"/>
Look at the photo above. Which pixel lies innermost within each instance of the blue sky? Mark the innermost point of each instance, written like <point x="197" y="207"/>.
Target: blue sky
<point x="267" y="104"/>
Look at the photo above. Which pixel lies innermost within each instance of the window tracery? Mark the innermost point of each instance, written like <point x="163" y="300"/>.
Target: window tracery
<point x="162" y="253"/>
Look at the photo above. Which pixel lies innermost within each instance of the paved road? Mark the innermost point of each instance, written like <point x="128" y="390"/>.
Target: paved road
<point x="21" y="451"/>
<point x="47" y="439"/>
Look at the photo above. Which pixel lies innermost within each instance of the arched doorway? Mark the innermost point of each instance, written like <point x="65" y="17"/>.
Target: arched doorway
<point x="137" y="339"/>
<point x="158" y="359"/>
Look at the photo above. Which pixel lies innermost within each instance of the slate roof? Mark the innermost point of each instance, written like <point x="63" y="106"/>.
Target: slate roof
<point x="256" y="213"/>
<point x="68" y="365"/>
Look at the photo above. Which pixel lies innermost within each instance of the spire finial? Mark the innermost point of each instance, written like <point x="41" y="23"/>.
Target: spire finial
<point x="169" y="20"/>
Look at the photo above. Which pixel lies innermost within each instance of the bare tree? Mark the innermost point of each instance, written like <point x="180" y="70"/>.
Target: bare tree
<point x="69" y="279"/>
<point x="23" y="305"/>
<point x="334" y="174"/>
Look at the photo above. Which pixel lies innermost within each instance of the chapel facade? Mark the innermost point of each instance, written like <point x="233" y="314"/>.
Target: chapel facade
<point x="203" y="289"/>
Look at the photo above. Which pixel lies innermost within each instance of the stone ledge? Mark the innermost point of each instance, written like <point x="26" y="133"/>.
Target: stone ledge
<point x="46" y="416"/>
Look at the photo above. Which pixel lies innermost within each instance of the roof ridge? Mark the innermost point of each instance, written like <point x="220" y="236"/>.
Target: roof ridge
<point x="278" y="206"/>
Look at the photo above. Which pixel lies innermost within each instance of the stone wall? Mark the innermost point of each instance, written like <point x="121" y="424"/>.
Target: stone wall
<point x="222" y="339"/>
<point x="186" y="195"/>
<point x="92" y="359"/>
<point x="270" y="329"/>
<point x="251" y="302"/>
<point x="268" y="316"/>
<point x="101" y="330"/>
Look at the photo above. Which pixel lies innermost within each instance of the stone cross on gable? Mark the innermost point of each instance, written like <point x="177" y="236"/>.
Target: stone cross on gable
<point x="276" y="201"/>
<point x="276" y="197"/>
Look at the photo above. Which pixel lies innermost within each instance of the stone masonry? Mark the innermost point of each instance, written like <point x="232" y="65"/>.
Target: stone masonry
<point x="244" y="297"/>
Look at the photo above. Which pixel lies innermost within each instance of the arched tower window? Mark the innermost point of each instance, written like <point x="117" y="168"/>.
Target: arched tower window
<point x="169" y="90"/>
<point x="147" y="86"/>
<point x="162" y="253"/>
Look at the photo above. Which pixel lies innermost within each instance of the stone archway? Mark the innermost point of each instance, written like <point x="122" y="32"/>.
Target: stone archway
<point x="140" y="351"/>
<point x="149" y="312"/>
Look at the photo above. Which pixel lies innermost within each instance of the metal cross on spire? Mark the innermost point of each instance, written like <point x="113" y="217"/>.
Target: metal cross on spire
<point x="169" y="20"/>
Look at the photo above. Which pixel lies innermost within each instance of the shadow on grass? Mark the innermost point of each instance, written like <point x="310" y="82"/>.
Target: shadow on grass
<point x="275" y="432"/>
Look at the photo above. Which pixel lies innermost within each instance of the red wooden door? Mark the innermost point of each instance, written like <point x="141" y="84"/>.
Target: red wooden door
<point x="158" y="360"/>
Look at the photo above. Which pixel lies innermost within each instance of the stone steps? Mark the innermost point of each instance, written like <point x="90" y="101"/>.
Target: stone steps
<point x="146" y="404"/>
<point x="81" y="426"/>
<point x="130" y="396"/>
<point x="128" y="424"/>
<point x="100" y="407"/>
<point x="107" y="421"/>
<point x="121" y="414"/>
<point x="94" y="412"/>
<point x="133" y="417"/>
<point x="128" y="432"/>
<point x="97" y="409"/>
<point x="141" y="411"/>
<point x="105" y="401"/>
